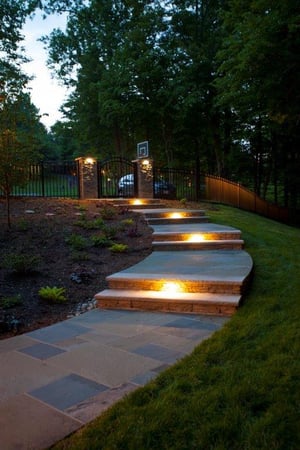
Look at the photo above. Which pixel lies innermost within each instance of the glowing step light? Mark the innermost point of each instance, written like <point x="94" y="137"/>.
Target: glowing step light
<point x="175" y="215"/>
<point x="171" y="287"/>
<point x="195" y="238"/>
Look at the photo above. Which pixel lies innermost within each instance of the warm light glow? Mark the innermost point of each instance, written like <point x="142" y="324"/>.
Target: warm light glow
<point x="170" y="287"/>
<point x="196" y="238"/>
<point x="175" y="215"/>
<point x="145" y="162"/>
<point x="89" y="160"/>
<point x="136" y="201"/>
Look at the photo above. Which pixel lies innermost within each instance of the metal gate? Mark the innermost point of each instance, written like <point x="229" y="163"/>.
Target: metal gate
<point x="116" y="178"/>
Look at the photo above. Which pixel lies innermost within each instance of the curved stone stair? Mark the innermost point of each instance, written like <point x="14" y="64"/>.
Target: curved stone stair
<point x="207" y="277"/>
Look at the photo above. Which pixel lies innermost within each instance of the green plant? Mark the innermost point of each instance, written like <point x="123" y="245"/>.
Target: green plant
<point x="109" y="212"/>
<point x="127" y="222"/>
<point x="96" y="224"/>
<point x="79" y="256"/>
<point x="118" y="248"/>
<point x="53" y="294"/>
<point x="101" y="241"/>
<point x="10" y="302"/>
<point x="81" y="208"/>
<point x="110" y="231"/>
<point x="22" y="225"/>
<point x="77" y="242"/>
<point x="22" y="264"/>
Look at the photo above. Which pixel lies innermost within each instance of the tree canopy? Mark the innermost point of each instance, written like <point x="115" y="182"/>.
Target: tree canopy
<point x="206" y="82"/>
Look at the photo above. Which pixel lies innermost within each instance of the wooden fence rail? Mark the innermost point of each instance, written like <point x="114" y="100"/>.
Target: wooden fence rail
<point x="224" y="191"/>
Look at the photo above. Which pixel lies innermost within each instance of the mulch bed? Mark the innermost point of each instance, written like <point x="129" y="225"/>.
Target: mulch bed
<point x="43" y="237"/>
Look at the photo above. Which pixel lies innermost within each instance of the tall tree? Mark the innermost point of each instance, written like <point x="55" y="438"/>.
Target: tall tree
<point x="258" y="79"/>
<point x="19" y="143"/>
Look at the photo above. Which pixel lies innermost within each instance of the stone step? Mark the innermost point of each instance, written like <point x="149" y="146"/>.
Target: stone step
<point x="170" y="213"/>
<point x="220" y="244"/>
<point x="138" y="203"/>
<point x="174" y="220"/>
<point x="213" y="271"/>
<point x="195" y="236"/>
<point x="198" y="303"/>
<point x="188" y="284"/>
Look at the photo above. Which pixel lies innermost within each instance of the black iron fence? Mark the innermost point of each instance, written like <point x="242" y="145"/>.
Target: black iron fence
<point x="117" y="178"/>
<point x="176" y="183"/>
<point x="49" y="179"/>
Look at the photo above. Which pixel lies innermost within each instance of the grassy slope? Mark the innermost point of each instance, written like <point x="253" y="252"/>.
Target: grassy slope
<point x="241" y="388"/>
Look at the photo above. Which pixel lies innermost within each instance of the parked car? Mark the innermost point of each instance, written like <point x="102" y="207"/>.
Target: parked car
<point x="126" y="185"/>
<point x="162" y="188"/>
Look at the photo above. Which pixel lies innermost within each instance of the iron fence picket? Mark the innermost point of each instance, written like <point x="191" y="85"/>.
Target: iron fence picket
<point x="49" y="179"/>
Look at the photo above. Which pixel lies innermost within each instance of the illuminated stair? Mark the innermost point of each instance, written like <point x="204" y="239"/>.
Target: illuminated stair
<point x="204" y="236"/>
<point x="197" y="267"/>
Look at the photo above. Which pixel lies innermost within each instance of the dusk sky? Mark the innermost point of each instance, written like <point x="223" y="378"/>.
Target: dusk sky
<point x="46" y="93"/>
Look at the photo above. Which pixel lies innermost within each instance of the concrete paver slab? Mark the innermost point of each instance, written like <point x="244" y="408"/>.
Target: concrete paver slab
<point x="49" y="398"/>
<point x="67" y="391"/>
<point x="27" y="424"/>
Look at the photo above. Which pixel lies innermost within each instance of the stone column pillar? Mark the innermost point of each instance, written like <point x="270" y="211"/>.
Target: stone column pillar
<point x="88" y="178"/>
<point x="144" y="173"/>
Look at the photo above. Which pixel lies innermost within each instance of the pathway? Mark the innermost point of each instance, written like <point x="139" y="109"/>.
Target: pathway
<point x="56" y="379"/>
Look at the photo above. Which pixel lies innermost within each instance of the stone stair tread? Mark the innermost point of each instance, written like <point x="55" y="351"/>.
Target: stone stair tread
<point x="231" y="265"/>
<point x="166" y="212"/>
<point x="205" y="227"/>
<point x="183" y="220"/>
<point x="206" y="244"/>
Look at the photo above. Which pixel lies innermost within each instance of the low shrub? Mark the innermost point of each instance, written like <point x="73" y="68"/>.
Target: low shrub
<point x="53" y="294"/>
<point x="118" y="248"/>
<point x="77" y="242"/>
<point x="96" y="224"/>
<point x="109" y="212"/>
<point x="11" y="302"/>
<point x="101" y="241"/>
<point x="22" y="263"/>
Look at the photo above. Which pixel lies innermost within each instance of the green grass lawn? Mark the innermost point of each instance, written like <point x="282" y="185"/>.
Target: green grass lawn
<point x="240" y="389"/>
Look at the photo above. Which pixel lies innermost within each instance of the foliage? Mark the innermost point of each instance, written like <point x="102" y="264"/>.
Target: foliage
<point x="77" y="242"/>
<point x="118" y="248"/>
<point x="127" y="222"/>
<point x="19" y="140"/>
<point x="10" y="302"/>
<point x="96" y="224"/>
<point x="53" y="294"/>
<point x="203" y="81"/>
<point x="22" y="263"/>
<point x="108" y="212"/>
<point x="234" y="389"/>
<point x="101" y="241"/>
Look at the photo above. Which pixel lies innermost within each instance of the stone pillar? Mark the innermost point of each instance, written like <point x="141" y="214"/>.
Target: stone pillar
<point x="88" y="177"/>
<point x="144" y="174"/>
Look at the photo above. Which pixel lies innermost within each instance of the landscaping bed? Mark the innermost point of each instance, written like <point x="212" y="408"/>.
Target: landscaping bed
<point x="69" y="244"/>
